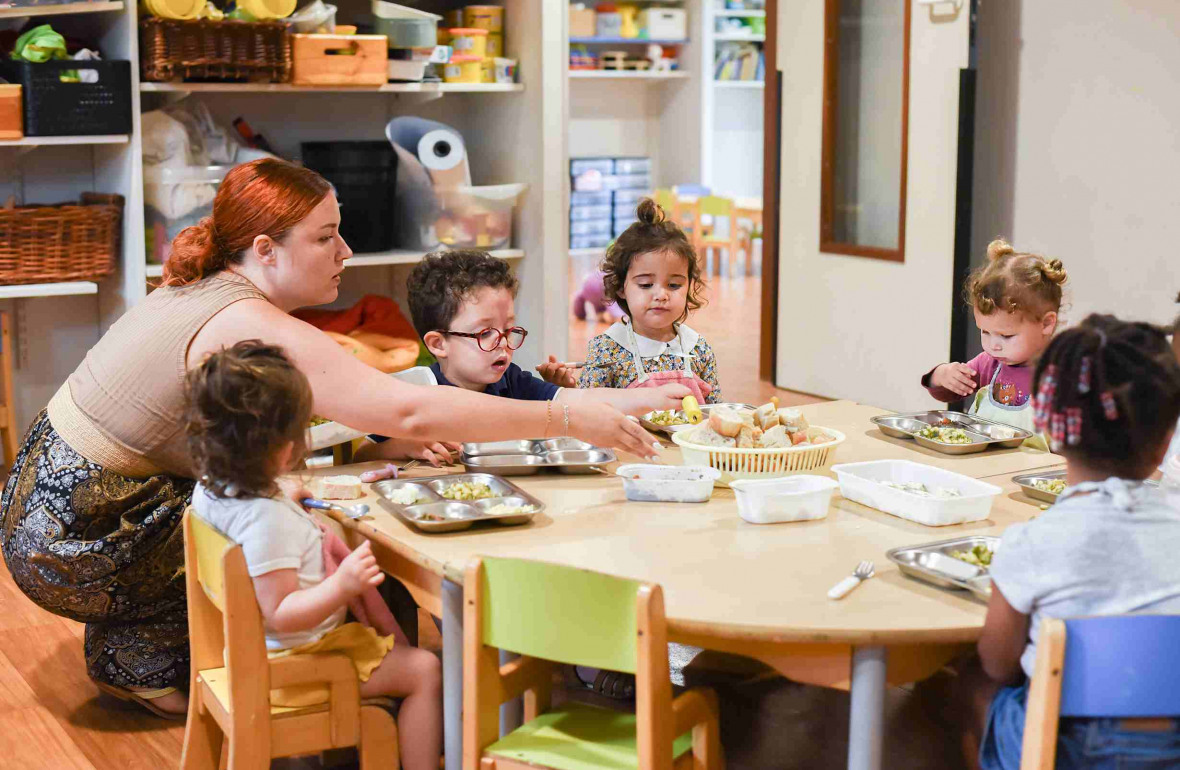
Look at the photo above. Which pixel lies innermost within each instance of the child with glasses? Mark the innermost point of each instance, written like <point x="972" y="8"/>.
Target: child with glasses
<point x="462" y="304"/>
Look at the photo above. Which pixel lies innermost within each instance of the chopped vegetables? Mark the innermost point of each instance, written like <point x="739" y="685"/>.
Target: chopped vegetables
<point x="980" y="556"/>
<point x="1052" y="486"/>
<point x="318" y="421"/>
<point x="666" y="419"/>
<point x="467" y="490"/>
<point x="945" y="435"/>
<point x="504" y="509"/>
<point x="406" y="495"/>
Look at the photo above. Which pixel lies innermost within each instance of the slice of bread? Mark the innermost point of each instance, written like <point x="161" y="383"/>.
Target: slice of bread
<point x="726" y="422"/>
<point x="793" y="419"/>
<point x="766" y="416"/>
<point x="340" y="488"/>
<point x="776" y="437"/>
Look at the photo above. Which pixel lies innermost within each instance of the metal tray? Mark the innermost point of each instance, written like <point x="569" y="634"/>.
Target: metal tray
<point x="1027" y="480"/>
<point x="434" y="513"/>
<point x="646" y="422"/>
<point x="983" y="433"/>
<point x="524" y="458"/>
<point x="932" y="563"/>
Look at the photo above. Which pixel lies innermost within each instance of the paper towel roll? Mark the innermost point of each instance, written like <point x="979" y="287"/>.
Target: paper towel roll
<point x="437" y="146"/>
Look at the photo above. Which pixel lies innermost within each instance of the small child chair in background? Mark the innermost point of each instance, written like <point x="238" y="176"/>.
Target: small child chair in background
<point x="712" y="208"/>
<point x="7" y="409"/>
<point x="231" y="680"/>
<point x="1121" y="667"/>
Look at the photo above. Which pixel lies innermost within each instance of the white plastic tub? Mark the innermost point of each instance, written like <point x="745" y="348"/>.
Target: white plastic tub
<point x="863" y="483"/>
<point x="667" y="483"/>
<point x="773" y="501"/>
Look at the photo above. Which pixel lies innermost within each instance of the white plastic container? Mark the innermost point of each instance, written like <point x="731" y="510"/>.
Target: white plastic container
<point x="175" y="198"/>
<point x="773" y="501"/>
<point x="864" y="483"/>
<point x="667" y="483"/>
<point x="664" y="23"/>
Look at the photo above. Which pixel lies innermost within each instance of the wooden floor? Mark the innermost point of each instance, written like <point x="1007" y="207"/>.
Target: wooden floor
<point x="731" y="322"/>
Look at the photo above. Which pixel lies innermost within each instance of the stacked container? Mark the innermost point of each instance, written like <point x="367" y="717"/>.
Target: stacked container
<point x="606" y="193"/>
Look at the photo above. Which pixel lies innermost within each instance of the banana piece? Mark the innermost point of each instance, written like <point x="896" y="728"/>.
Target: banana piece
<point x="692" y="410"/>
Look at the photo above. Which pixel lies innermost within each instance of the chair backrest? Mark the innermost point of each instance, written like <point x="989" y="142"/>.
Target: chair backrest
<point x="225" y="624"/>
<point x="560" y="613"/>
<point x="715" y="206"/>
<point x="1122" y="666"/>
<point x="665" y="199"/>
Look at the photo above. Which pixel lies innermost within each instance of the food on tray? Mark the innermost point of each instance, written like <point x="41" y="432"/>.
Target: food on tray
<point x="431" y="517"/>
<point x="979" y="555"/>
<point x="468" y="490"/>
<point x="1052" y="486"/>
<point x="920" y="489"/>
<point x="406" y="495"/>
<point x="945" y="435"/>
<point x="318" y="421"/>
<point x="692" y="411"/>
<point x="340" y="487"/>
<point x="767" y="427"/>
<point x="666" y="419"/>
<point x="504" y="509"/>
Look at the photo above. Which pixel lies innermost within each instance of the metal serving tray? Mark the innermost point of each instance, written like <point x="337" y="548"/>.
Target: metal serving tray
<point x="646" y="422"/>
<point x="1027" y="481"/>
<point x="983" y="433"/>
<point x="434" y="513"/>
<point x="524" y="458"/>
<point x="933" y="563"/>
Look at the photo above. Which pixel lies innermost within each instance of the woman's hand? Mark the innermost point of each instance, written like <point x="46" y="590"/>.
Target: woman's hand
<point x="605" y="426"/>
<point x="558" y="373"/>
<point x="957" y="378"/>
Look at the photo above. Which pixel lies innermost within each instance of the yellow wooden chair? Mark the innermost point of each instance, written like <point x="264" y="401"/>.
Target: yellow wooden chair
<point x="8" y="434"/>
<point x="715" y="207"/>
<point x="685" y="213"/>
<point x="229" y="694"/>
<point x="552" y="614"/>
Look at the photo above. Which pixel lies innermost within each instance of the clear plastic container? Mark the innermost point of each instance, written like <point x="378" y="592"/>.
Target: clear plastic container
<point x="630" y="197"/>
<point x="175" y="198"/>
<point x="621" y="225"/>
<point x="773" y="501"/>
<point x="632" y="166"/>
<point x="625" y="212"/>
<point x="589" y="241"/>
<point x="666" y="483"/>
<point x="580" y="166"/>
<point x="590" y="199"/>
<point x="591" y="227"/>
<point x="477" y="217"/>
<point x="583" y="213"/>
<point x="866" y="483"/>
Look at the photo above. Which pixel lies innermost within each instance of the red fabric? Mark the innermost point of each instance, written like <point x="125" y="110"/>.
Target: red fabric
<point x="373" y="313"/>
<point x="699" y="387"/>
<point x="369" y="608"/>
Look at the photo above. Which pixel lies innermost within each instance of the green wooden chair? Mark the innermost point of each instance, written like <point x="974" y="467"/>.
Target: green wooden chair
<point x="552" y="614"/>
<point x="715" y="207"/>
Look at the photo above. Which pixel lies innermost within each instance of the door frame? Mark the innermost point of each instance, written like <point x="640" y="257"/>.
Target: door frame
<point x="771" y="140"/>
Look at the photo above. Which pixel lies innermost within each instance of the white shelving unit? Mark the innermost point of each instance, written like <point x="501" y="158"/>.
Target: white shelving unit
<point x="513" y="133"/>
<point x="59" y="10"/>
<point x="627" y="75"/>
<point x="731" y="112"/>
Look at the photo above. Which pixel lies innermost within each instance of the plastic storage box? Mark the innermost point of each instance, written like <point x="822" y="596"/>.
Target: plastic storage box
<point x="364" y="175"/>
<point x="582" y="213"/>
<point x="864" y="483"/>
<point x="630" y="197"/>
<point x="664" y="23"/>
<point x="477" y="217"/>
<point x="625" y="212"/>
<point x="56" y="108"/>
<point x="667" y="483"/>
<point x="590" y="199"/>
<point x="580" y="166"/>
<point x="632" y="166"/>
<point x="589" y="241"/>
<point x="795" y="498"/>
<point x="173" y="199"/>
<point x="591" y="227"/>
<point x="620" y="225"/>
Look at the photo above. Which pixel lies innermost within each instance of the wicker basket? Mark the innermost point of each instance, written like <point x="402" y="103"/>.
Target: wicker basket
<point x="67" y="242"/>
<point x="759" y="463"/>
<point x="256" y="51"/>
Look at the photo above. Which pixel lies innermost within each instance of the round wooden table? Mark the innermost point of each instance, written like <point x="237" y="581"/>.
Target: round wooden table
<point x="753" y="590"/>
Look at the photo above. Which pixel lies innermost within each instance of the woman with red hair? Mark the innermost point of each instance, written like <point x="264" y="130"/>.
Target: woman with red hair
<point x="91" y="513"/>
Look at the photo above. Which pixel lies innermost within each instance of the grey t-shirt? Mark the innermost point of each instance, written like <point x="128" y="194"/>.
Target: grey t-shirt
<point x="1109" y="548"/>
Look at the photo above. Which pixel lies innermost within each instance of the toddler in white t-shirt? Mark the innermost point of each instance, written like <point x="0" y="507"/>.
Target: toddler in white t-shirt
<point x="246" y="412"/>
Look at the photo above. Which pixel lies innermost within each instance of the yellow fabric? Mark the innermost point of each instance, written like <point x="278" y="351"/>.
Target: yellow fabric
<point x="579" y="737"/>
<point x="362" y="644"/>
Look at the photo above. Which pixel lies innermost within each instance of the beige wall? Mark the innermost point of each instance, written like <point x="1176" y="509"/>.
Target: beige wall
<point x="1078" y="150"/>
<point x="851" y="327"/>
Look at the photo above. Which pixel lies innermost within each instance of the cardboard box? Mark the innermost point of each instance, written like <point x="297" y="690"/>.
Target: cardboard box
<point x="583" y="21"/>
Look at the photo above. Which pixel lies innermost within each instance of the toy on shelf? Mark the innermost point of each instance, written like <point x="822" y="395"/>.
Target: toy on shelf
<point x="582" y="59"/>
<point x="659" y="62"/>
<point x="613" y="60"/>
<point x="628" y="26"/>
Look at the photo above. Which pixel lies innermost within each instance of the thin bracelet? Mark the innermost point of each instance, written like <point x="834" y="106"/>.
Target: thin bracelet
<point x="548" y="417"/>
<point x="565" y="410"/>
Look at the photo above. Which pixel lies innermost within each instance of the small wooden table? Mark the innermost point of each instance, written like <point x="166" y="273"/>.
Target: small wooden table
<point x="758" y="591"/>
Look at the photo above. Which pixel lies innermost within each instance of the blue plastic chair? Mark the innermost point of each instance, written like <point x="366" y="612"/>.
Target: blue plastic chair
<point x="1119" y="667"/>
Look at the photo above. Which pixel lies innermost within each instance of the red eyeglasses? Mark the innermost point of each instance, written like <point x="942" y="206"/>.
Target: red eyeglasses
<point x="489" y="339"/>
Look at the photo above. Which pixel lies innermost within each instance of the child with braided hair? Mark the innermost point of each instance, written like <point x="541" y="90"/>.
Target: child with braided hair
<point x="1016" y="298"/>
<point x="1108" y="395"/>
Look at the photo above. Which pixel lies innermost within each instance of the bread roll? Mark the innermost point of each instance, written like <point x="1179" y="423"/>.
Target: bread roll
<point x="793" y="419"/>
<point x="776" y="437"/>
<point x="726" y="422"/>
<point x="766" y="416"/>
<point x="748" y="437"/>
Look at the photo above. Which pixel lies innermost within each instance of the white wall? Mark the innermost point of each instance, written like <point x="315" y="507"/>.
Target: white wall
<point x="1078" y="154"/>
<point x="851" y="327"/>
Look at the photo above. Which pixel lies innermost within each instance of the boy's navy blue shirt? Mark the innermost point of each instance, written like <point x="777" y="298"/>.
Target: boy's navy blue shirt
<point x="516" y="383"/>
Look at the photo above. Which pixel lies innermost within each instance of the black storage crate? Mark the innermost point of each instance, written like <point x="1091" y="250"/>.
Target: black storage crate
<point x="56" y="108"/>
<point x="364" y="175"/>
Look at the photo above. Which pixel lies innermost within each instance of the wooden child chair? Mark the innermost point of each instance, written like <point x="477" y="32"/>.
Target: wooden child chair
<point x="229" y="694"/>
<point x="1119" y="667"/>
<point x="715" y="207"/>
<point x="553" y="614"/>
<point x="8" y="436"/>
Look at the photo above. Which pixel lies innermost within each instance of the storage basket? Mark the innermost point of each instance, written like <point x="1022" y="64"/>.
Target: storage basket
<point x="56" y="108"/>
<point x="364" y="175"/>
<point x="759" y="463"/>
<point x="257" y="51"/>
<point x="66" y="242"/>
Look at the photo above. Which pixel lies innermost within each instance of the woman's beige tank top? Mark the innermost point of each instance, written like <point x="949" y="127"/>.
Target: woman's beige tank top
<point x="122" y="407"/>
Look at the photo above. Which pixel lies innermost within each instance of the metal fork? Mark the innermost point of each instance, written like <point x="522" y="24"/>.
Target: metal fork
<point x="863" y="571"/>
